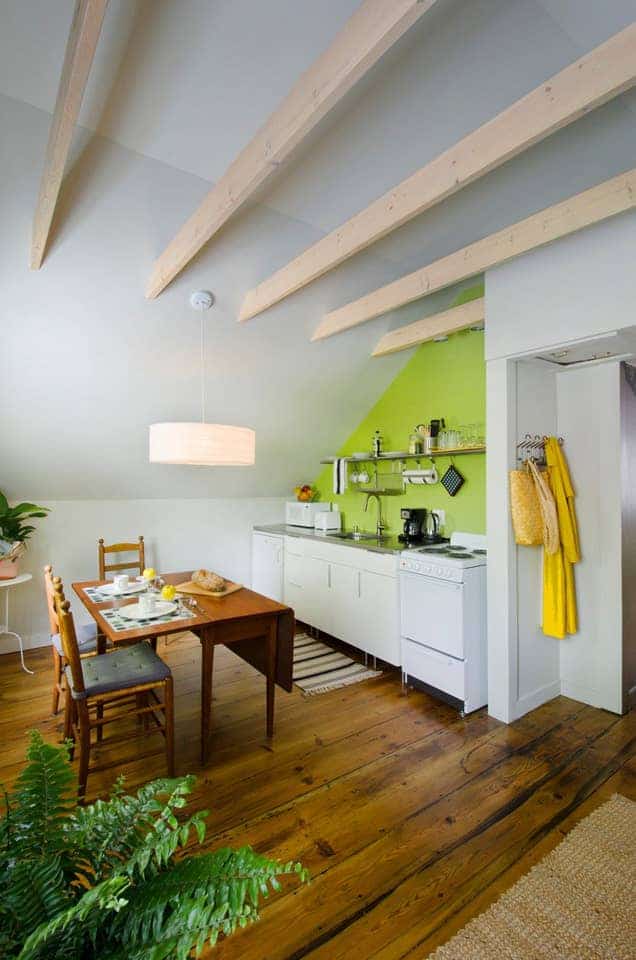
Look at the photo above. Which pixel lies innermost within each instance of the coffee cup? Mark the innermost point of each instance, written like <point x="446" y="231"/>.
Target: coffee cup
<point x="147" y="604"/>
<point x="121" y="582"/>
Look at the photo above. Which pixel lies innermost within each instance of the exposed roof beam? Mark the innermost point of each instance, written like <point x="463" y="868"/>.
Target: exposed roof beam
<point x="584" y="209"/>
<point x="469" y="314"/>
<point x="368" y="34"/>
<point x="80" y="49"/>
<point x="600" y="75"/>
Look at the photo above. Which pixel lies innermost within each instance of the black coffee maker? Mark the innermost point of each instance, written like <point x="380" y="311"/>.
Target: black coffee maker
<point x="413" y="521"/>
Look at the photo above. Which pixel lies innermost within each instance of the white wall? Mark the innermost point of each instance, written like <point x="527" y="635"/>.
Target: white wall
<point x="179" y="535"/>
<point x="576" y="288"/>
<point x="524" y="668"/>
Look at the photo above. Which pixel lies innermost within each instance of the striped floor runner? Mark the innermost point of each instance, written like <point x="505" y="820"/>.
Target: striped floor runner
<point x="319" y="668"/>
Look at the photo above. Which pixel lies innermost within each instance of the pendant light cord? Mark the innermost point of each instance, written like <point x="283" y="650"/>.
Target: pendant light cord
<point x="202" y="369"/>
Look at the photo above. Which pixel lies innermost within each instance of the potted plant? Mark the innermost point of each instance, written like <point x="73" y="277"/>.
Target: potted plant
<point x="14" y="533"/>
<point x="116" y="879"/>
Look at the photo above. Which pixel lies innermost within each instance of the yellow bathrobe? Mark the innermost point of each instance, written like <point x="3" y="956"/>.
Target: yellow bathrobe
<point x="559" y="594"/>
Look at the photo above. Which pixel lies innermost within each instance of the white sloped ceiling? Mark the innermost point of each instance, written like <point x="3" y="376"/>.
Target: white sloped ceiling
<point x="86" y="362"/>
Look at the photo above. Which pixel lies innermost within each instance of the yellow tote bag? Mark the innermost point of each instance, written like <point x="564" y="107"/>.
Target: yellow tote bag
<point x="527" y="521"/>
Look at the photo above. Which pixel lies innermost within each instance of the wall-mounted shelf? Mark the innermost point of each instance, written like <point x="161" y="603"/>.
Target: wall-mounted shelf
<point x="434" y="455"/>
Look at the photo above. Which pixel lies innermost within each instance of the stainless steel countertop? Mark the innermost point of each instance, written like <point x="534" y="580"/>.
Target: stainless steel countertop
<point x="389" y="545"/>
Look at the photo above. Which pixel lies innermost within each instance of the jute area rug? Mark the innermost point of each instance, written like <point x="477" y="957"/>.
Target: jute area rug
<point x="578" y="903"/>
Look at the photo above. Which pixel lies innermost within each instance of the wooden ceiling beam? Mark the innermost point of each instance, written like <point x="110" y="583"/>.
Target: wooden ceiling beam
<point x="80" y="50"/>
<point x="467" y="315"/>
<point x="372" y="30"/>
<point x="582" y="210"/>
<point x="600" y="75"/>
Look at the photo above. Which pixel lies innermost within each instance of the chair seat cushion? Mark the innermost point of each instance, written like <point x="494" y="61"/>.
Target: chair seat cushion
<point x="86" y="639"/>
<point x="123" y="668"/>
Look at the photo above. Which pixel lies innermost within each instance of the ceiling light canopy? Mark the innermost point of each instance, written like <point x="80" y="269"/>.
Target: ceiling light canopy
<point x="202" y="444"/>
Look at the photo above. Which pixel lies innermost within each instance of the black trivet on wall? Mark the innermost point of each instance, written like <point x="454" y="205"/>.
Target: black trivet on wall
<point x="452" y="480"/>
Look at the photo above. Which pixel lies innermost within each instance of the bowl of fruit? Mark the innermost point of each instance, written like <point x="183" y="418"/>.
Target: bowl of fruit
<point x="305" y="493"/>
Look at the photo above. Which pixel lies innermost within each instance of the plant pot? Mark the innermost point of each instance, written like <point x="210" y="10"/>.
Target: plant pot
<point x="8" y="569"/>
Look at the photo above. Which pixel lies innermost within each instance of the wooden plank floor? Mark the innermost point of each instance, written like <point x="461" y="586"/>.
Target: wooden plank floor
<point x="410" y="819"/>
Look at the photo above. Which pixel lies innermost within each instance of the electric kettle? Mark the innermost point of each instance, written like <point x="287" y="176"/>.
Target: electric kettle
<point x="430" y="527"/>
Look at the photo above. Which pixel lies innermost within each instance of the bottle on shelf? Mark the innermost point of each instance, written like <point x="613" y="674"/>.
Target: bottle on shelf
<point x="377" y="443"/>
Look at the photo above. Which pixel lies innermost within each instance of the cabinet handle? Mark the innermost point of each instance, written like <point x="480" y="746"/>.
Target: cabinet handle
<point x="329" y="576"/>
<point x="359" y="584"/>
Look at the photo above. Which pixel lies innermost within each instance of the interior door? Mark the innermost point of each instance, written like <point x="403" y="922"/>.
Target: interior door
<point x="432" y="613"/>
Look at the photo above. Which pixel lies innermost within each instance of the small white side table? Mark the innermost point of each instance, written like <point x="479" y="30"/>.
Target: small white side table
<point x="4" y="627"/>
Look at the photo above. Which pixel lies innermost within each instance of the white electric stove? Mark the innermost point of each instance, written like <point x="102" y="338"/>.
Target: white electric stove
<point x="443" y="619"/>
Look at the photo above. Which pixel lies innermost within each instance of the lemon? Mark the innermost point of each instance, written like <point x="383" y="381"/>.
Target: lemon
<point x="149" y="573"/>
<point x="168" y="592"/>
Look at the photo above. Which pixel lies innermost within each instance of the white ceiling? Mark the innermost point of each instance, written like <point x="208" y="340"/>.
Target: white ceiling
<point x="177" y="89"/>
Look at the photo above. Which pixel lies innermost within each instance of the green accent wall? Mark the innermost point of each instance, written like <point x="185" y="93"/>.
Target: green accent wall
<point x="441" y="380"/>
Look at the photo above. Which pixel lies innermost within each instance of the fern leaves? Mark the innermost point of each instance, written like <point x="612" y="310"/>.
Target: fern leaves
<point x="111" y="879"/>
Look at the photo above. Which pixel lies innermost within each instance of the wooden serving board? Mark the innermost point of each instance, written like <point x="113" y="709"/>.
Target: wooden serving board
<point x="198" y="591"/>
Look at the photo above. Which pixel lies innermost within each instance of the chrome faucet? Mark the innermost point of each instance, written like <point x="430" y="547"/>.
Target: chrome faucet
<point x="379" y="527"/>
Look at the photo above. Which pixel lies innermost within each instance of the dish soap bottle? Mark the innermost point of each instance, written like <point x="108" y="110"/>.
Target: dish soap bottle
<point x="377" y="443"/>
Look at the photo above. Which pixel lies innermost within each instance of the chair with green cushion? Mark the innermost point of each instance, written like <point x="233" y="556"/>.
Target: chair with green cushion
<point x="86" y="639"/>
<point x="132" y="677"/>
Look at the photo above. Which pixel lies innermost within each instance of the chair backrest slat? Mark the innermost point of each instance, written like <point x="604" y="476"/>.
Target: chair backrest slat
<point x="68" y="635"/>
<point x="54" y="626"/>
<point x="104" y="549"/>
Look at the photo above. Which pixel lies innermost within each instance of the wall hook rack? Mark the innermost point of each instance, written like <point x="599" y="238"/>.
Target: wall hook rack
<point x="533" y="448"/>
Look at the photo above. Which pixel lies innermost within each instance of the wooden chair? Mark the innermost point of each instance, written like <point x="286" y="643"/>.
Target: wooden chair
<point x="86" y="639"/>
<point x="104" y="549"/>
<point x="129" y="677"/>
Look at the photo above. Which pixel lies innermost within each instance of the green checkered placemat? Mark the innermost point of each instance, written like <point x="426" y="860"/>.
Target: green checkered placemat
<point x="94" y="594"/>
<point x="117" y="622"/>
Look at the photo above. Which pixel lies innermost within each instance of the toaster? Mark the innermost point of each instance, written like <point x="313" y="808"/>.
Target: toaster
<point x="323" y="522"/>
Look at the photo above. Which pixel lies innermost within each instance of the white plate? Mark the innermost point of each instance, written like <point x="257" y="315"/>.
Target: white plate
<point x="132" y="612"/>
<point x="108" y="590"/>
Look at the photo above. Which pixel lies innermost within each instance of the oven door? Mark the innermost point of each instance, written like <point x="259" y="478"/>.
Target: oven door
<point x="432" y="613"/>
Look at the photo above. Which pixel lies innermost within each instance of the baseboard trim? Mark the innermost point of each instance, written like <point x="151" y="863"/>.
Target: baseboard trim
<point x="536" y="699"/>
<point x="9" y="644"/>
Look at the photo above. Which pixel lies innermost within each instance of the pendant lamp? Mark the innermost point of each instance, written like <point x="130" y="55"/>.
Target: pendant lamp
<point x="202" y="444"/>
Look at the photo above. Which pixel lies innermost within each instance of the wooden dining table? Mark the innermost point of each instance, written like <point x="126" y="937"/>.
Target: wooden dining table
<point x="257" y="629"/>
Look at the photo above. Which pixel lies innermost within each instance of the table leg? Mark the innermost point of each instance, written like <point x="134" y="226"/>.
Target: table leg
<point x="207" y="666"/>
<point x="101" y="642"/>
<point x="272" y="640"/>
<point x="12" y="633"/>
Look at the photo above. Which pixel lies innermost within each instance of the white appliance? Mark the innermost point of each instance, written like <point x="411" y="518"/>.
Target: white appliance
<point x="443" y="619"/>
<point x="267" y="565"/>
<point x="303" y="514"/>
<point x="327" y="520"/>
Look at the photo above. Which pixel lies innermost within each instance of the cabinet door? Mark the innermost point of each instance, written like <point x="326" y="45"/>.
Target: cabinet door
<point x="294" y="579"/>
<point x="316" y="590"/>
<point x="267" y="566"/>
<point x="378" y="622"/>
<point x="343" y="603"/>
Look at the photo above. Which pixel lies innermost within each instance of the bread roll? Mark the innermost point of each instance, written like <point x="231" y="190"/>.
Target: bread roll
<point x="209" y="580"/>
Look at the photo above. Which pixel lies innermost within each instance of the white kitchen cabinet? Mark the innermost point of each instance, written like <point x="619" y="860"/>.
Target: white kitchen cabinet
<point x="267" y="565"/>
<point x="378" y="615"/>
<point x="349" y="593"/>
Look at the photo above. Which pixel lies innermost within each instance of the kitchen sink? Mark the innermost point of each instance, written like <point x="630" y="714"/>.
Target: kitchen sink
<point x="358" y="536"/>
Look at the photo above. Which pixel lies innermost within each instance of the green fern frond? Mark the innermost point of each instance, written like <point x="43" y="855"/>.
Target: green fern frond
<point x="88" y="914"/>
<point x="108" y="833"/>
<point x="201" y="895"/>
<point x="63" y="871"/>
<point x="41" y="800"/>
